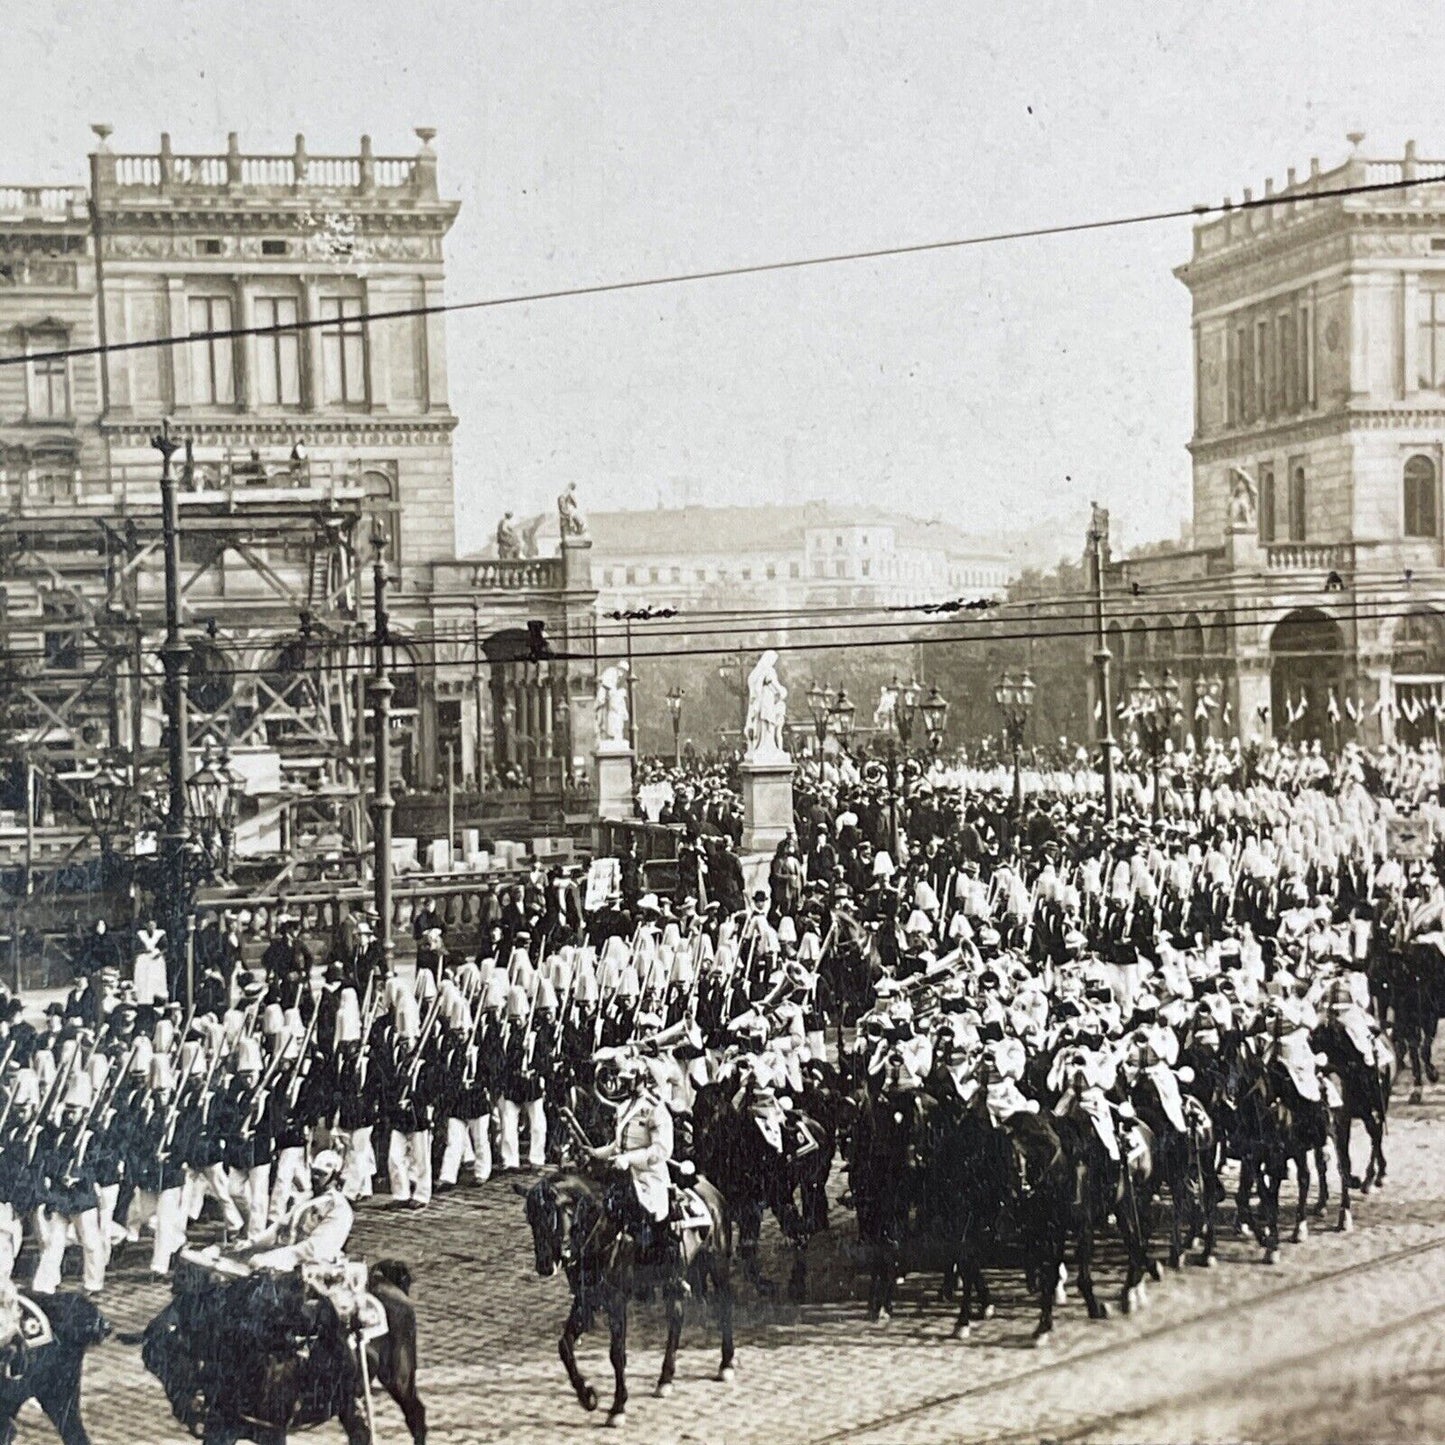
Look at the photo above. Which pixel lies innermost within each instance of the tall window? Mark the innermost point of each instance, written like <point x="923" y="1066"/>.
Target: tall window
<point x="343" y="350"/>
<point x="49" y="376"/>
<point x="1267" y="515"/>
<point x="278" y="354"/>
<point x="1263" y="368"/>
<point x="1297" y="502"/>
<point x="1288" y="362"/>
<point x="1420" y="497"/>
<point x="213" y="358"/>
<point x="1234" y="372"/>
<point x="1430" y="339"/>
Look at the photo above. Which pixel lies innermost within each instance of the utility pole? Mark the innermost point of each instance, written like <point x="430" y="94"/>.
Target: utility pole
<point x="1098" y="539"/>
<point x="631" y="696"/>
<point x="481" y="763"/>
<point x="382" y="803"/>
<point x="175" y="655"/>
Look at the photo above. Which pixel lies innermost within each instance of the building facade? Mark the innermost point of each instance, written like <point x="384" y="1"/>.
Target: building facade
<point x="281" y="311"/>
<point x="1309" y="603"/>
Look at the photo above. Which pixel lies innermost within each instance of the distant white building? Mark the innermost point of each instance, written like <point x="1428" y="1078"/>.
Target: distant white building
<point x="816" y="554"/>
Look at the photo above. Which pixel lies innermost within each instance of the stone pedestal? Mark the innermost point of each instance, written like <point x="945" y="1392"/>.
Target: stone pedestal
<point x="767" y="803"/>
<point x="613" y="780"/>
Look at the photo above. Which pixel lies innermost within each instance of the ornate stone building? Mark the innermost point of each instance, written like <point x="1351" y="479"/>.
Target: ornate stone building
<point x="314" y="396"/>
<point x="1309" y="604"/>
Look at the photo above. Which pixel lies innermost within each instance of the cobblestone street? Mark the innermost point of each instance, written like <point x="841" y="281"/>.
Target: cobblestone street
<point x="1340" y="1341"/>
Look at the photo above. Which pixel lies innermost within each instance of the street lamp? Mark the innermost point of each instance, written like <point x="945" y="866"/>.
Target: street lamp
<point x="1155" y="710"/>
<point x="214" y="792"/>
<point x="675" y="696"/>
<point x="840" y="714"/>
<point x="1014" y="694"/>
<point x="935" y="718"/>
<point x="818" y="701"/>
<point x="905" y="706"/>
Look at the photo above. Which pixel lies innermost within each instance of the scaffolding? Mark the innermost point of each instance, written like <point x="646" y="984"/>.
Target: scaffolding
<point x="269" y="587"/>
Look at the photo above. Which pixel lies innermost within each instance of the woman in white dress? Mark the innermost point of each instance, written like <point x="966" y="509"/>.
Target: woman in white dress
<point x="150" y="964"/>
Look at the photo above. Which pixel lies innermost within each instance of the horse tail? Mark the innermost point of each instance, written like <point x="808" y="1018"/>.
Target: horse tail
<point x="392" y="1272"/>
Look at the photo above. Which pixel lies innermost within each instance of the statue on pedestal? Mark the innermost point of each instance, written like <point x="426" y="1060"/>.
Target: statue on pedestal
<point x="611" y="705"/>
<point x="569" y="514"/>
<point x="1243" y="501"/>
<point x="767" y="712"/>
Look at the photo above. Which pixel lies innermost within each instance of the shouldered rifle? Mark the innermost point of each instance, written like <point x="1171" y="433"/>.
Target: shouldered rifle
<point x="303" y="1063"/>
<point x="414" y="1071"/>
<point x="251" y="1119"/>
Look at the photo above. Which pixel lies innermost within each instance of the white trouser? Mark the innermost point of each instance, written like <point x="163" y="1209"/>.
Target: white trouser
<point x="817" y="1046"/>
<point x="211" y="1180"/>
<point x="167" y="1211"/>
<point x="360" y="1167"/>
<point x="110" y="1230"/>
<point x="509" y="1117"/>
<point x="252" y="1188"/>
<point x="468" y="1141"/>
<point x="290" y="1180"/>
<point x="54" y="1232"/>
<point x="408" y="1163"/>
<point x="11" y="1237"/>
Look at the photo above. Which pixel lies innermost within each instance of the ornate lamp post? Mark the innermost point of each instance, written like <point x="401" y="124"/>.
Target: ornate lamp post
<point x="1156" y="712"/>
<point x="818" y="707"/>
<point x="175" y="879"/>
<point x="214" y="793"/>
<point x="840" y="716"/>
<point x="383" y="805"/>
<point x="935" y="719"/>
<point x="1014" y="694"/>
<point x="675" y="696"/>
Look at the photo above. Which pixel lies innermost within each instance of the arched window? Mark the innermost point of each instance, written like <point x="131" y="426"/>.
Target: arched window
<point x="1267" y="515"/>
<point x="1298" y="515"/>
<point x="1420" y="517"/>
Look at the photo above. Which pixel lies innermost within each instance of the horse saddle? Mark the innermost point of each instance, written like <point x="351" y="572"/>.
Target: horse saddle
<point x="686" y="1211"/>
<point x="344" y="1287"/>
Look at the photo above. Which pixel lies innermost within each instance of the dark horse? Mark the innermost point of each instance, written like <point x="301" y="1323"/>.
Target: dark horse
<point x="730" y="1151"/>
<point x="1012" y="1193"/>
<point x="848" y="971"/>
<point x="1272" y="1125"/>
<point x="1417" y="982"/>
<point x="1365" y="1093"/>
<point x="49" y="1373"/>
<point x="226" y="1352"/>
<point x="605" y="1267"/>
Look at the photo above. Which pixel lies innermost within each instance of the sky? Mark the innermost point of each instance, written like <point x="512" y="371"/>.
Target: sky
<point x="999" y="386"/>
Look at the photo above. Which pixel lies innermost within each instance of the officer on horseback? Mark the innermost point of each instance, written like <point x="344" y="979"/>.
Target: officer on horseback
<point x="640" y="1150"/>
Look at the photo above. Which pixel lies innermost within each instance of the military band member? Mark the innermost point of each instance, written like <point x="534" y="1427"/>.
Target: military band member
<point x="247" y="1123"/>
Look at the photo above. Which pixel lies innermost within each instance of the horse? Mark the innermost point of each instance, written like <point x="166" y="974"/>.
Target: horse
<point x="225" y="1351"/>
<point x="1365" y="1095"/>
<point x="1187" y="1165"/>
<point x="606" y="1268"/>
<point x="1417" y="981"/>
<point x="1019" y="1191"/>
<point x="1273" y="1124"/>
<point x="848" y="971"/>
<point x="49" y="1372"/>
<point x="753" y="1178"/>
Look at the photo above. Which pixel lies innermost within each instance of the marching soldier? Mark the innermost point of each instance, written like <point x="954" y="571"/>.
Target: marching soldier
<point x="68" y="1198"/>
<point x="248" y="1127"/>
<point x="409" y="1090"/>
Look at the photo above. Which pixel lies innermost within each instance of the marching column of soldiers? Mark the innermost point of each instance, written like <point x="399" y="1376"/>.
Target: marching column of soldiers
<point x="1087" y="948"/>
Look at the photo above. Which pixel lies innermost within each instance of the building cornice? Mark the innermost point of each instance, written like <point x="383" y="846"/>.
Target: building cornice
<point x="1305" y="429"/>
<point x="354" y="431"/>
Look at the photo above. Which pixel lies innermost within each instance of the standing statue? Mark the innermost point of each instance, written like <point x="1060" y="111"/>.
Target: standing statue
<point x="887" y="709"/>
<point x="1243" y="500"/>
<point x="509" y="544"/>
<point x="767" y="711"/>
<point x="611" y="704"/>
<point x="569" y="514"/>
